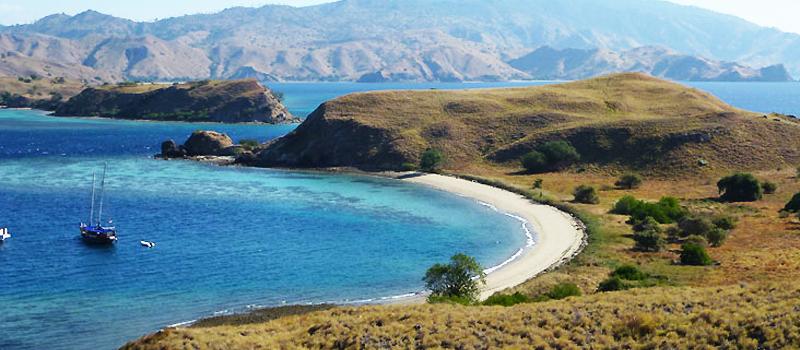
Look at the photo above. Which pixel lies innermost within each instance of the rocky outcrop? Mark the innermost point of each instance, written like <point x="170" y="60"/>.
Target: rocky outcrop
<point x="202" y="144"/>
<point x="236" y="101"/>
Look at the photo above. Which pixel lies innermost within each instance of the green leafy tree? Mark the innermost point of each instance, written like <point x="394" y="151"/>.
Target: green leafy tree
<point x="740" y="187"/>
<point x="534" y="162"/>
<point x="629" y="181"/>
<point x="461" y="278"/>
<point x="695" y="255"/>
<point x="432" y="160"/>
<point x="716" y="236"/>
<point x="586" y="195"/>
<point x="794" y="204"/>
<point x="629" y="272"/>
<point x="560" y="154"/>
<point x="539" y="185"/>
<point x="649" y="241"/>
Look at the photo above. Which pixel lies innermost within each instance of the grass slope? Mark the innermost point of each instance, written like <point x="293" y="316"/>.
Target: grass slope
<point x="619" y="121"/>
<point x="667" y="318"/>
<point x="39" y="92"/>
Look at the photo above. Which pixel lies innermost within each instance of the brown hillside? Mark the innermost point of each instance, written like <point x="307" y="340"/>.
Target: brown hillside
<point x="618" y="121"/>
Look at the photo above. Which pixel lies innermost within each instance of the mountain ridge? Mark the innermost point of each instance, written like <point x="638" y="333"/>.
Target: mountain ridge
<point x="409" y="40"/>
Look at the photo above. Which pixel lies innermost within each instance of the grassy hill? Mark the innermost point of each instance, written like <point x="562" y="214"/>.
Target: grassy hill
<point x="37" y="92"/>
<point x="231" y="101"/>
<point x="667" y="318"/>
<point x="629" y="121"/>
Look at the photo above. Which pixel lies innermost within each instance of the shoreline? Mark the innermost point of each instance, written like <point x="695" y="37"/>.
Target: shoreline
<point x="559" y="237"/>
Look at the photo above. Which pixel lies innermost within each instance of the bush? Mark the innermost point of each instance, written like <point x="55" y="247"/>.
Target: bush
<point x="695" y="239"/>
<point x="716" y="236"/>
<point x="553" y="155"/>
<point x="534" y="162"/>
<point x="564" y="290"/>
<point x="629" y="272"/>
<point x="769" y="187"/>
<point x="725" y="222"/>
<point x="794" y="204"/>
<point x="648" y="224"/>
<point x="460" y="278"/>
<point x="695" y="255"/>
<point x="611" y="284"/>
<point x="740" y="187"/>
<point x="629" y="181"/>
<point x="693" y="225"/>
<point x="626" y="205"/>
<point x="559" y="154"/>
<point x="665" y="211"/>
<point x="408" y="167"/>
<point x="586" y="195"/>
<point x="431" y="160"/>
<point x="649" y="241"/>
<point x="249" y="144"/>
<point x="507" y="299"/>
<point x="455" y="300"/>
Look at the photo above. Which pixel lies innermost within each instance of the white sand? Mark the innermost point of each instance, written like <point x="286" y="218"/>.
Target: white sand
<point x="558" y="237"/>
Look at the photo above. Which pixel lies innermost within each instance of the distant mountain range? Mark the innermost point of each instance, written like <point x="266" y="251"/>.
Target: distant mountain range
<point x="405" y="40"/>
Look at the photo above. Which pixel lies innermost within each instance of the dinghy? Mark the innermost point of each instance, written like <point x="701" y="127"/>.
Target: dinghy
<point x="4" y="235"/>
<point x="147" y="244"/>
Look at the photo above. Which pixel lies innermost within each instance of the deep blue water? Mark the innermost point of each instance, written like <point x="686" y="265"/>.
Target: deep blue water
<point x="228" y="238"/>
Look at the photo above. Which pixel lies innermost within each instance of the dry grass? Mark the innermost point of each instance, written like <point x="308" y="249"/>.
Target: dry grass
<point x="40" y="89"/>
<point x="736" y="317"/>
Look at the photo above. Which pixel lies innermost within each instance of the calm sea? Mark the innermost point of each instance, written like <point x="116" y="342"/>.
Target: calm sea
<point x="227" y="239"/>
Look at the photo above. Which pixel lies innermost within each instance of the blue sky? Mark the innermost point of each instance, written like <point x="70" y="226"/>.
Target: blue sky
<point x="781" y="14"/>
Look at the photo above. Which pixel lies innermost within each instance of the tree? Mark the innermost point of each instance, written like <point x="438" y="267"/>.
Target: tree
<point x="431" y="160"/>
<point x="716" y="236"/>
<point x="537" y="185"/>
<point x="769" y="187"/>
<point x="461" y="278"/>
<point x="629" y="181"/>
<point x="611" y="284"/>
<point x="559" y="154"/>
<point x="794" y="204"/>
<point x="740" y="187"/>
<point x="693" y="225"/>
<point x="648" y="224"/>
<point x="586" y="195"/>
<point x="534" y="162"/>
<point x="694" y="254"/>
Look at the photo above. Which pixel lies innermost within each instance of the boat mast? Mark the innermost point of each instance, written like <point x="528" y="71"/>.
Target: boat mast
<point x="91" y="211"/>
<point x="102" y="192"/>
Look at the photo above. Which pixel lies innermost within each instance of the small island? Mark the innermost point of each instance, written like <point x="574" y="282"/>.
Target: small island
<point x="232" y="101"/>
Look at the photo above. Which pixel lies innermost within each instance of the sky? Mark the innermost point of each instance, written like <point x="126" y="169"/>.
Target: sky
<point x="780" y="14"/>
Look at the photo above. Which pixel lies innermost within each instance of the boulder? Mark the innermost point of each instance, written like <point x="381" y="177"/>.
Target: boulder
<point x="208" y="143"/>
<point x="170" y="149"/>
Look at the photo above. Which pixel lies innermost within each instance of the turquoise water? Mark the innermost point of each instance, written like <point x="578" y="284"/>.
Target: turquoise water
<point x="228" y="238"/>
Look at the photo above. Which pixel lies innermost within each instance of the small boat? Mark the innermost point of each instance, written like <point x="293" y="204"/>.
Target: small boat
<point x="148" y="244"/>
<point x="4" y="235"/>
<point x="94" y="232"/>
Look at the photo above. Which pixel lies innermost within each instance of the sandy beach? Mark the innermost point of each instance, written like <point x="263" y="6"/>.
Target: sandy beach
<point x="558" y="236"/>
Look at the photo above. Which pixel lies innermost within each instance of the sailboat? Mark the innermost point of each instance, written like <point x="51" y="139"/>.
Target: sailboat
<point x="4" y="235"/>
<point x="94" y="232"/>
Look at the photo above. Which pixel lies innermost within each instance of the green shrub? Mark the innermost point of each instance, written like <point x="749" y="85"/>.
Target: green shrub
<point x="507" y="299"/>
<point x="534" y="162"/>
<point x="626" y="205"/>
<point x="612" y="284"/>
<point x="693" y="225"/>
<point x="564" y="290"/>
<point x="629" y="272"/>
<point x="740" y="187"/>
<point x="648" y="224"/>
<point x="431" y="161"/>
<point x="649" y="241"/>
<point x="629" y="181"/>
<point x="665" y="211"/>
<point x="408" y="167"/>
<point x="559" y="154"/>
<point x="455" y="300"/>
<point x="695" y="239"/>
<point x="717" y="236"/>
<point x="461" y="278"/>
<point x="725" y="222"/>
<point x="249" y="144"/>
<point x="586" y="195"/>
<point x="769" y="187"/>
<point x="695" y="255"/>
<point x="794" y="204"/>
